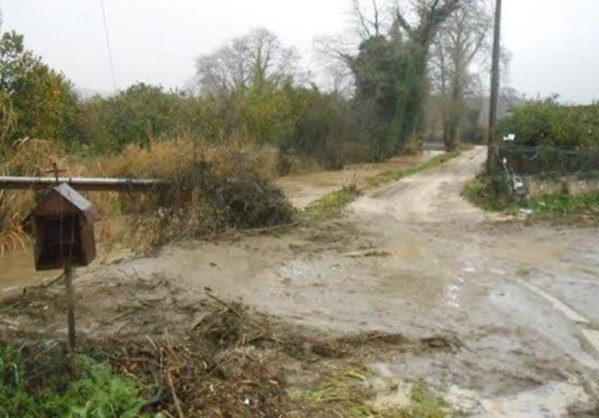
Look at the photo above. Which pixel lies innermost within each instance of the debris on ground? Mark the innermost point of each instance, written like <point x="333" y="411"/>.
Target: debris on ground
<point x="219" y="359"/>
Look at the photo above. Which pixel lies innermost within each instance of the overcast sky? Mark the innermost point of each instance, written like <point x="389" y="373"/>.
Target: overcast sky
<point x="554" y="43"/>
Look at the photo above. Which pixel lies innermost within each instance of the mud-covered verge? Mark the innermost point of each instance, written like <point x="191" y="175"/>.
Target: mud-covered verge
<point x="218" y="358"/>
<point x="560" y="206"/>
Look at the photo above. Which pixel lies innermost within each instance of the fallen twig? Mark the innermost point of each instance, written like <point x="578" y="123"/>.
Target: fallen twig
<point x="174" y="394"/>
<point x="226" y="305"/>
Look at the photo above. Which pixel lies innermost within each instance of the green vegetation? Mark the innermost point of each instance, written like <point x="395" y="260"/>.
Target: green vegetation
<point x="31" y="390"/>
<point x="332" y="204"/>
<point x="35" y="101"/>
<point x="494" y="193"/>
<point x="426" y="403"/>
<point x="390" y="72"/>
<point x="344" y="391"/>
<point x="549" y="124"/>
<point x="394" y="175"/>
<point x="552" y="140"/>
<point x="564" y="204"/>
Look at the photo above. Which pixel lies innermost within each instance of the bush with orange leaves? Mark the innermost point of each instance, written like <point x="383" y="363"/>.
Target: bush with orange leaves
<point x="209" y="189"/>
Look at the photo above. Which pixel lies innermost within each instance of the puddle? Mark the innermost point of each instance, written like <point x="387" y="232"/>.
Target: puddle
<point x="17" y="270"/>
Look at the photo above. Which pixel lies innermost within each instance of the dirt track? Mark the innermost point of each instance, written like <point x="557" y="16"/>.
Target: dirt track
<point x="412" y="258"/>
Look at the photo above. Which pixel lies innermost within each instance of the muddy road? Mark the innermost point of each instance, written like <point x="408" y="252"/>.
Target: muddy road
<point x="303" y="189"/>
<point x="411" y="258"/>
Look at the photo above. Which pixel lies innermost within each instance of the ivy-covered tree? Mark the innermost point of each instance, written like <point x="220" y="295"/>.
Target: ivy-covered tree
<point x="390" y="69"/>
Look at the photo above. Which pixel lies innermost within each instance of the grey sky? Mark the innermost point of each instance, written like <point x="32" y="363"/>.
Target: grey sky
<point x="554" y="43"/>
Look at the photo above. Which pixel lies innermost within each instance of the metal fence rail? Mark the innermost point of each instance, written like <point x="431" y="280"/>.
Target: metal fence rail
<point x="80" y="183"/>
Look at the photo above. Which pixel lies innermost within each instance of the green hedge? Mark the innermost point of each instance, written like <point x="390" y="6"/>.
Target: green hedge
<point x="548" y="123"/>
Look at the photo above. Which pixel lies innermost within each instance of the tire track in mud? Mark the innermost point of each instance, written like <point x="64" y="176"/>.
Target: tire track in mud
<point x="461" y="241"/>
<point x="583" y="324"/>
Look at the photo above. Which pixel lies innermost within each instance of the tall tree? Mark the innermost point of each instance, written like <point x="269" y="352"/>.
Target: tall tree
<point x="251" y="77"/>
<point x="463" y="41"/>
<point x="390" y="69"/>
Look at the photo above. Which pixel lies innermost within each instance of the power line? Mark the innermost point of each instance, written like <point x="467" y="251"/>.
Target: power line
<point x="108" y="46"/>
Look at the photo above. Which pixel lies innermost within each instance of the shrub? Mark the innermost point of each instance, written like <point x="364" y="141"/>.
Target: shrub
<point x="490" y="192"/>
<point x="35" y="100"/>
<point x="547" y="123"/>
<point x="34" y="382"/>
<point x="138" y="115"/>
<point x="210" y="189"/>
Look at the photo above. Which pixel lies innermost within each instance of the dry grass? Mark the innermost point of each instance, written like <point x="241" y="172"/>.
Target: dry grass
<point x="33" y="157"/>
<point x="212" y="188"/>
<point x="29" y="158"/>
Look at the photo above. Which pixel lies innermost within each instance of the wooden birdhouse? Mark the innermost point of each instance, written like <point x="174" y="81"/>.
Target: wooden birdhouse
<point x="63" y="227"/>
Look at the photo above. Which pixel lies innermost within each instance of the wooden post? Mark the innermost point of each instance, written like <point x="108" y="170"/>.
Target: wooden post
<point x="68" y="278"/>
<point x="492" y="141"/>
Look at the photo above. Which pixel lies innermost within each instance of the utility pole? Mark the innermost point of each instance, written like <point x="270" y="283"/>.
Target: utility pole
<point x="491" y="163"/>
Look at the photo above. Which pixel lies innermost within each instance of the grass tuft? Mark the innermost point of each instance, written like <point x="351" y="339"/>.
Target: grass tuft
<point x="332" y="204"/>
<point x="395" y="175"/>
<point x="348" y="393"/>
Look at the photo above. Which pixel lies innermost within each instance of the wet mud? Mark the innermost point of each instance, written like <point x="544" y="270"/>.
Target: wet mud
<point x="412" y="259"/>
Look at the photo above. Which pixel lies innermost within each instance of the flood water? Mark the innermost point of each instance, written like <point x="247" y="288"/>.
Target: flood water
<point x="303" y="189"/>
<point x="17" y="271"/>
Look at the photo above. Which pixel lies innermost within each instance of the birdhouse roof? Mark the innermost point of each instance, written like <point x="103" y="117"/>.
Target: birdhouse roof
<point x="73" y="198"/>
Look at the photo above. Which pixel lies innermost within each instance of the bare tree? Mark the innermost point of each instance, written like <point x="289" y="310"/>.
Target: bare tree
<point x="463" y="43"/>
<point x="367" y="26"/>
<point x="257" y="60"/>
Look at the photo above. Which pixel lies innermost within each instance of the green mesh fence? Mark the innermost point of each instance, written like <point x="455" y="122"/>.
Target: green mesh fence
<point x="550" y="161"/>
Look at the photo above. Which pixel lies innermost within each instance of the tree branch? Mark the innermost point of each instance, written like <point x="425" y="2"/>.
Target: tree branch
<point x="403" y="23"/>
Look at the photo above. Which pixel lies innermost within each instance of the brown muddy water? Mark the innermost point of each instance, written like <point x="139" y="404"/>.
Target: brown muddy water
<point x="303" y="189"/>
<point x="17" y="271"/>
